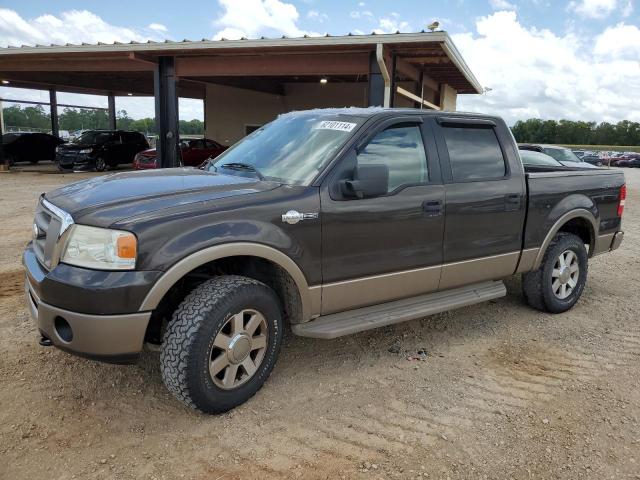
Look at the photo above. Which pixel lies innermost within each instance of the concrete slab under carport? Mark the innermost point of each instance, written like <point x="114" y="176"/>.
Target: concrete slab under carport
<point x="249" y="82"/>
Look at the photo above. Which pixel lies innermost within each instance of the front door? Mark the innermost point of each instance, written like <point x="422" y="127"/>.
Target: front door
<point x="389" y="246"/>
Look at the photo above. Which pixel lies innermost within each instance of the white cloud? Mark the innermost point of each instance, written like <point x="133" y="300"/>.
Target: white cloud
<point x="392" y="24"/>
<point x="73" y="26"/>
<point x="599" y="9"/>
<point x="361" y="14"/>
<point x="252" y="18"/>
<point x="501" y="5"/>
<point x="619" y="42"/>
<point x="536" y="73"/>
<point x="158" y="27"/>
<point x="317" y="16"/>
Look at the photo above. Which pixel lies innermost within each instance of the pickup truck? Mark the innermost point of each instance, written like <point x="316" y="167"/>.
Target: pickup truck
<point x="329" y="222"/>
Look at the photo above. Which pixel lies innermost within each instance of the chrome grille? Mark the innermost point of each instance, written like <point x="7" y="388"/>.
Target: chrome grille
<point x="49" y="225"/>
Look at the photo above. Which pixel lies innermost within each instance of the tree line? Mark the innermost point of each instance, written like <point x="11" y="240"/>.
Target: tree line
<point x="534" y="130"/>
<point x="73" y="119"/>
<point x="568" y="132"/>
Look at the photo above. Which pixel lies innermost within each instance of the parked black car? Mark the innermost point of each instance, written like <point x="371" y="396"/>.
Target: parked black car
<point x="100" y="149"/>
<point x="592" y="159"/>
<point x="29" y="147"/>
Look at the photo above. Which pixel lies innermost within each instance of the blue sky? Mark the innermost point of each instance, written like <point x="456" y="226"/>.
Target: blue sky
<point x="577" y="59"/>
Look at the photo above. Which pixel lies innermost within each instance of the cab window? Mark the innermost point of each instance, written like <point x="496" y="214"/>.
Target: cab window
<point x="401" y="149"/>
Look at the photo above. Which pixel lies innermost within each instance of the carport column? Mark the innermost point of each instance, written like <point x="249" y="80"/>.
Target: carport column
<point x="166" y="95"/>
<point x="376" y="83"/>
<point x="2" y="166"/>
<point x="111" y="104"/>
<point x="53" y="105"/>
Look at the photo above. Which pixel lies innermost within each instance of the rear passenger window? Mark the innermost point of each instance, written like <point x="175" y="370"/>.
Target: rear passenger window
<point x="474" y="153"/>
<point x="400" y="148"/>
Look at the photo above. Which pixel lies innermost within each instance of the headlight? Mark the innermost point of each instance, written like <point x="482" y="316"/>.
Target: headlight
<point x="57" y="149"/>
<point x="86" y="150"/>
<point x="100" y="248"/>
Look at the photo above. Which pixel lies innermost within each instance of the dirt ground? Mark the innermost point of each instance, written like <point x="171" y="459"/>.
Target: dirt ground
<point x="503" y="391"/>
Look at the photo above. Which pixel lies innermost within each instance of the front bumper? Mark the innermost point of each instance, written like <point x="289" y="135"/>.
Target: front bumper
<point x="75" y="161"/>
<point x="109" y="338"/>
<point x="108" y="327"/>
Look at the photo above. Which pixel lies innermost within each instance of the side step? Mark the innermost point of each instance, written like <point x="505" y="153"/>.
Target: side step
<point x="367" y="318"/>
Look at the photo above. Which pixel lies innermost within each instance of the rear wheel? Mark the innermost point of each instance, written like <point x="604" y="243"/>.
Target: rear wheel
<point x="559" y="282"/>
<point x="222" y="343"/>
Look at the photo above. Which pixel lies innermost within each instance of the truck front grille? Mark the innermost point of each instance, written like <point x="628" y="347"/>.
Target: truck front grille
<point x="48" y="226"/>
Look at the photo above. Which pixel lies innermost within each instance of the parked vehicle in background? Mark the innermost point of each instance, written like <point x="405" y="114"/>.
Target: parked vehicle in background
<point x="579" y="153"/>
<point x="193" y="153"/>
<point x="329" y="222"/>
<point x="592" y="158"/>
<point x="29" y="147"/>
<point x="100" y="149"/>
<point x="562" y="154"/>
<point x="77" y="133"/>
<point x="633" y="162"/>
<point x="538" y="161"/>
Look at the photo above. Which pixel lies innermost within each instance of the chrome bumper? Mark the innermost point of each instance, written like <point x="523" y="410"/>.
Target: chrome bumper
<point x="111" y="338"/>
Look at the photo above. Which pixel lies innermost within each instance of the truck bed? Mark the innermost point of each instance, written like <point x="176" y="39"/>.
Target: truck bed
<point x="595" y="190"/>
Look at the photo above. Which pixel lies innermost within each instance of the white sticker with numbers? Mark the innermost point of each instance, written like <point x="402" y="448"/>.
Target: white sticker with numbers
<point x="335" y="125"/>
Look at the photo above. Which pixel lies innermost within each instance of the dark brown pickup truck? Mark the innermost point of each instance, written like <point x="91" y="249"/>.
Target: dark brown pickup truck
<point x="328" y="221"/>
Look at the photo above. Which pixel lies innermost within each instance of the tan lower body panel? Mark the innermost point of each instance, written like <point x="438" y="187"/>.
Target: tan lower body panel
<point x="376" y="289"/>
<point x="478" y="269"/>
<point x="527" y="260"/>
<point x="603" y="243"/>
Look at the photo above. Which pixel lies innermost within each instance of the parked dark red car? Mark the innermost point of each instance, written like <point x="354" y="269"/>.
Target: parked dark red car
<point x="193" y="151"/>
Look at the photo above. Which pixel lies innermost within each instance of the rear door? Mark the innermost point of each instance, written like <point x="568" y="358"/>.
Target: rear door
<point x="390" y="246"/>
<point x="485" y="198"/>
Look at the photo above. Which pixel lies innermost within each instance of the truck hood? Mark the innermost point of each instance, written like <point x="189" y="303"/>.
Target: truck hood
<point x="103" y="200"/>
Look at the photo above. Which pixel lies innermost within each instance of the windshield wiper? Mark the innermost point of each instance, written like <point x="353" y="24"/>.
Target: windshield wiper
<point x="243" y="166"/>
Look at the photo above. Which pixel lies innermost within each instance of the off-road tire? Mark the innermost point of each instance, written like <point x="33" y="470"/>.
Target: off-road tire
<point x="536" y="285"/>
<point x="187" y="341"/>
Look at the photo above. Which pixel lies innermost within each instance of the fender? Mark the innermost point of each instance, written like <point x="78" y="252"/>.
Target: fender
<point x="577" y="213"/>
<point x="309" y="296"/>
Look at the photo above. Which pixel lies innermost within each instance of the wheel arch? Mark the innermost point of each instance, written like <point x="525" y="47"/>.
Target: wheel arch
<point x="579" y="221"/>
<point x="309" y="295"/>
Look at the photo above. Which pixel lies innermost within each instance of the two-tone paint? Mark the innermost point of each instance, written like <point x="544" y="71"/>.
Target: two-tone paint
<point x="346" y="253"/>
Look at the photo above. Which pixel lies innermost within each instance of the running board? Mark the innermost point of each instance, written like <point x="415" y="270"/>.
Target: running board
<point x="367" y="318"/>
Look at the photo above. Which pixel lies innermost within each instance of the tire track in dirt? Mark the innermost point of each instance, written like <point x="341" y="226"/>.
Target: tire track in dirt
<point x="11" y="283"/>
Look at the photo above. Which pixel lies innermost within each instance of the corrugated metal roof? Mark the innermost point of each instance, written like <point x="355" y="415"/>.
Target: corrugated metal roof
<point x="171" y="47"/>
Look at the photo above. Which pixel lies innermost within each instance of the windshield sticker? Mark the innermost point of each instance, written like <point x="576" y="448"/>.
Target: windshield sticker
<point x="334" y="125"/>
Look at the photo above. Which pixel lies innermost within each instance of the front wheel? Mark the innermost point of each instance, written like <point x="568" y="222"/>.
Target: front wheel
<point x="222" y="343"/>
<point x="559" y="282"/>
<point x="101" y="165"/>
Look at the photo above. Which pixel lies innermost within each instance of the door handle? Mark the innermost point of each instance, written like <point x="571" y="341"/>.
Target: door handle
<point x="432" y="208"/>
<point x="512" y="201"/>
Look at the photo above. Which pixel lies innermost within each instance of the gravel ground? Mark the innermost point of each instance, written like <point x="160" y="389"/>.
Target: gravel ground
<point x="502" y="392"/>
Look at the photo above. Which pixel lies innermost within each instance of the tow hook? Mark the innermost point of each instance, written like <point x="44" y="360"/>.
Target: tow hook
<point x="45" y="342"/>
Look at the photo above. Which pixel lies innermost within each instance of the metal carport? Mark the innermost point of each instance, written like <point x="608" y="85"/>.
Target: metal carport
<point x="424" y="70"/>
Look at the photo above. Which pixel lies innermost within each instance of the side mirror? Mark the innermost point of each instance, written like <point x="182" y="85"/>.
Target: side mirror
<point x="369" y="181"/>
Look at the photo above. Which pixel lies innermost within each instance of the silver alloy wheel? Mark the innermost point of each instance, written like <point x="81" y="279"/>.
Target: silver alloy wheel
<point x="565" y="274"/>
<point x="100" y="164"/>
<point x="239" y="349"/>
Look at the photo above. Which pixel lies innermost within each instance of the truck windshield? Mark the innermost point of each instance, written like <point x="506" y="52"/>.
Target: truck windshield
<point x="292" y="149"/>
<point x="562" y="154"/>
<point x="93" y="138"/>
